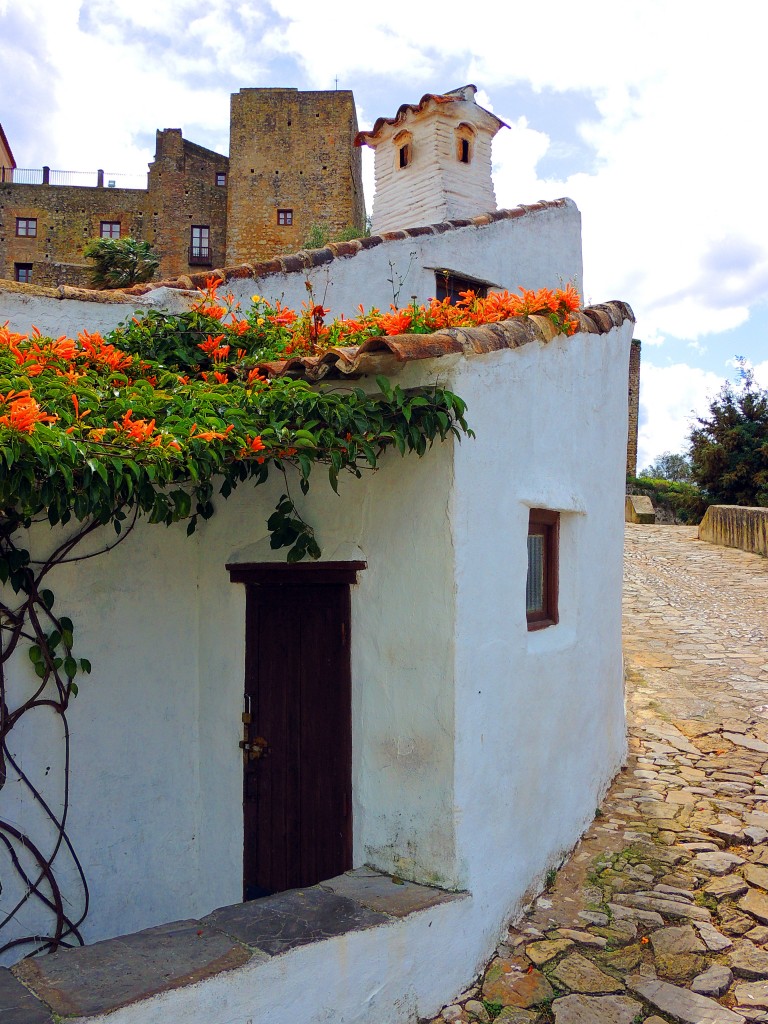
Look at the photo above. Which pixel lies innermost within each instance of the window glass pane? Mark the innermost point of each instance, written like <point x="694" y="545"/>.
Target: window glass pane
<point x="534" y="586"/>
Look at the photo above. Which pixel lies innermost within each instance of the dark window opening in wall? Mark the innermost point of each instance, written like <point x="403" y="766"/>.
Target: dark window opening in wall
<point x="285" y="217"/>
<point x="23" y="272"/>
<point x="541" y="585"/>
<point x="450" y="286"/>
<point x="221" y="178"/>
<point x="26" y="227"/>
<point x="405" y="155"/>
<point x="200" y="248"/>
<point x="110" y="229"/>
<point x="464" y="151"/>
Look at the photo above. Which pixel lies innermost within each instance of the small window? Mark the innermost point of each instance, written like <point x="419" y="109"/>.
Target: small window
<point x="404" y="149"/>
<point x="541" y="583"/>
<point x="23" y="272"/>
<point x="285" y="217"/>
<point x="465" y="141"/>
<point x="200" y="247"/>
<point x="110" y="229"/>
<point x="221" y="178"/>
<point x="26" y="227"/>
<point x="450" y="286"/>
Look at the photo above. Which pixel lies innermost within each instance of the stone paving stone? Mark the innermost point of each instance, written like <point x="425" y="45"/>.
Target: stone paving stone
<point x="378" y="892"/>
<point x="713" y="982"/>
<point x="727" y="885"/>
<point x="109" y="974"/>
<point x="717" y="863"/>
<point x="682" y="1004"/>
<point x="682" y="939"/>
<point x="542" y="952"/>
<point x="672" y="908"/>
<point x="583" y="1009"/>
<point x="713" y="939"/>
<point x="753" y="994"/>
<point x="514" y="1015"/>
<point x="504" y="983"/>
<point x="18" y="1005"/>
<point x="749" y="961"/>
<point x="579" y="974"/>
<point x="757" y="875"/>
<point x="756" y="904"/>
<point x="278" y="923"/>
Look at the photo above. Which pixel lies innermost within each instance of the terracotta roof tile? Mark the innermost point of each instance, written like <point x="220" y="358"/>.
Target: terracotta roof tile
<point x="414" y="108"/>
<point x="385" y="354"/>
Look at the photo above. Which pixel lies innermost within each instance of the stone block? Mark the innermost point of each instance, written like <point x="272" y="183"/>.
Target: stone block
<point x="638" y="508"/>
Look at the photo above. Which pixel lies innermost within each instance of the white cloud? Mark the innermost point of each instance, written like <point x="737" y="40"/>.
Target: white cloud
<point x="670" y="396"/>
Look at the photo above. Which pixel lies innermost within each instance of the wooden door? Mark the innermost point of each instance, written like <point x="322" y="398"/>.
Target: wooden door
<point x="297" y="784"/>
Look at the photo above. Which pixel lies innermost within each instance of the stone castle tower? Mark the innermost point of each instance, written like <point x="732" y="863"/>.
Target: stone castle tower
<point x="292" y="164"/>
<point x="433" y="161"/>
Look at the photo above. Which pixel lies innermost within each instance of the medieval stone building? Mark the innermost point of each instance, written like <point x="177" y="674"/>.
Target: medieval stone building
<point x="292" y="165"/>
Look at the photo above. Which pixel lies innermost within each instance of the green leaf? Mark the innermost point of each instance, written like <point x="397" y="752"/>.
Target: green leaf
<point x="47" y="597"/>
<point x="85" y="665"/>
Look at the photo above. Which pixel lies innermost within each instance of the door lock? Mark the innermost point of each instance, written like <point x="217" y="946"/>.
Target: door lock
<point x="253" y="749"/>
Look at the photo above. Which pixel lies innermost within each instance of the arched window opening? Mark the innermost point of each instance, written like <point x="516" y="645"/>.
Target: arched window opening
<point x="465" y="143"/>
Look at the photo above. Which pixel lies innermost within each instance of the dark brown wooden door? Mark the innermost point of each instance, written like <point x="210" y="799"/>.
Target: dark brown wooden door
<point x="297" y="794"/>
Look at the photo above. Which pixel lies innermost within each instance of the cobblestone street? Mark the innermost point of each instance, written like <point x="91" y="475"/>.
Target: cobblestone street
<point x="661" y="913"/>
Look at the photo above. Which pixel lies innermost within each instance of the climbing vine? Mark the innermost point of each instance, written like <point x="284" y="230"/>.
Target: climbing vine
<point x="161" y="420"/>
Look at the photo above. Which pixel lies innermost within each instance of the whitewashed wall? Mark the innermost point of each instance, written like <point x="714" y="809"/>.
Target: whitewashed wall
<point x="480" y="750"/>
<point x="540" y="249"/>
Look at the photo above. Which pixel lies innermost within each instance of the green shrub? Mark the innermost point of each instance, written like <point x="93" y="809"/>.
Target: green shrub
<point x="685" y="503"/>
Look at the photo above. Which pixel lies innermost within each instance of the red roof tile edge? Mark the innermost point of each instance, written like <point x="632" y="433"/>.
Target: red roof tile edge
<point x="415" y="108"/>
<point x="385" y="353"/>
<point x="298" y="262"/>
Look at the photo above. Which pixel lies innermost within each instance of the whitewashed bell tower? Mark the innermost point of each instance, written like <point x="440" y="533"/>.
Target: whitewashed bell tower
<point x="433" y="161"/>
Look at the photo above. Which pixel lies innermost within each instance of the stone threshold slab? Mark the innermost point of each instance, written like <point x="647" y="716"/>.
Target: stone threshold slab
<point x="102" y="977"/>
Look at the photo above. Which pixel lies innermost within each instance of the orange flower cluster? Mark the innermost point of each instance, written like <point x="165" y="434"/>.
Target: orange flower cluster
<point x="23" y="412"/>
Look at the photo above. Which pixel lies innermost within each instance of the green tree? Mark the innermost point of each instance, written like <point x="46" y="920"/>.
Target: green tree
<point x="669" y="466"/>
<point x="121" y="262"/>
<point x="729" y="447"/>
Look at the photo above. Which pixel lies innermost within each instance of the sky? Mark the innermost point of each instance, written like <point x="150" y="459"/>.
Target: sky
<point x="648" y="114"/>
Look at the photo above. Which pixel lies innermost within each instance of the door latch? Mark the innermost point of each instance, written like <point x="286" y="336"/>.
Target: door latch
<point x="253" y="749"/>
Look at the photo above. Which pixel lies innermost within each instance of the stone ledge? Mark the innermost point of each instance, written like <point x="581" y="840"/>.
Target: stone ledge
<point x="735" y="526"/>
<point x="97" y="979"/>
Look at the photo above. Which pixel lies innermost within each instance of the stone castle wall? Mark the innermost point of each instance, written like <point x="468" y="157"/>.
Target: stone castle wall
<point x="68" y="217"/>
<point x="633" y="397"/>
<point x="291" y="150"/>
<point x="293" y="164"/>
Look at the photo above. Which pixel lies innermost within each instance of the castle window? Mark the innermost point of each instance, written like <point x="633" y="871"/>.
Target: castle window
<point x="110" y="229"/>
<point x="200" y="248"/>
<point x="26" y="227"/>
<point x="23" y="272"/>
<point x="404" y="156"/>
<point x="221" y="178"/>
<point x="465" y="143"/>
<point x="541" y="584"/>
<point x="285" y="218"/>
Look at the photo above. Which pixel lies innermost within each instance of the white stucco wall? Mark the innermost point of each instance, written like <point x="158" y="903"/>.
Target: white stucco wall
<point x="540" y="249"/>
<point x="480" y="749"/>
